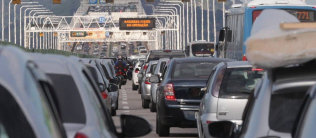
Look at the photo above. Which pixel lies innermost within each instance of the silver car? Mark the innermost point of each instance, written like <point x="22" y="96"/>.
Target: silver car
<point x="26" y="107"/>
<point x="146" y="85"/>
<point x="153" y="89"/>
<point x="226" y="94"/>
<point x="82" y="112"/>
<point x="274" y="105"/>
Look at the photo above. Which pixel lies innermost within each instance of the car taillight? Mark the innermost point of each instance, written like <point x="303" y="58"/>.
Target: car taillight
<point x="145" y="67"/>
<point x="124" y="69"/>
<point x="104" y="94"/>
<point x="80" y="135"/>
<point x="207" y="122"/>
<point x="136" y="71"/>
<point x="244" y="58"/>
<point x="257" y="69"/>
<point x="169" y="92"/>
<point x="147" y="81"/>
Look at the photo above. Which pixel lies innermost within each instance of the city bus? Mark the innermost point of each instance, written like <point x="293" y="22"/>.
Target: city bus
<point x="240" y="18"/>
<point x="200" y="48"/>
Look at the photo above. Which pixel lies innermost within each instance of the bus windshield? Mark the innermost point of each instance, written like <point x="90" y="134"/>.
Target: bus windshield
<point x="202" y="49"/>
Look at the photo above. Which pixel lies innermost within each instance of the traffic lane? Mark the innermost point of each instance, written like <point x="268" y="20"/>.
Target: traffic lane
<point x="130" y="103"/>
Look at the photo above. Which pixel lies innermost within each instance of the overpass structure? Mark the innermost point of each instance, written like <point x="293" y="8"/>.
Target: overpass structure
<point x="99" y="23"/>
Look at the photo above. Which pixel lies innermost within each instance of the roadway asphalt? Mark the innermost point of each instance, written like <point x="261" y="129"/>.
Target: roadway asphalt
<point x="130" y="103"/>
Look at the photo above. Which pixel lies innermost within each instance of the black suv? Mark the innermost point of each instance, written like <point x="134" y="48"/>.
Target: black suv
<point x="179" y="93"/>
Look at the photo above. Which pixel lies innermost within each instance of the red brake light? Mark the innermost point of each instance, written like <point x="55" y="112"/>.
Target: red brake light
<point x="167" y="51"/>
<point x="207" y="122"/>
<point x="124" y="69"/>
<point x="253" y="7"/>
<point x="257" y="69"/>
<point x="314" y="7"/>
<point x="244" y="58"/>
<point x="136" y="71"/>
<point x="145" y="67"/>
<point x="104" y="95"/>
<point x="147" y="81"/>
<point x="169" y="92"/>
<point x="80" y="135"/>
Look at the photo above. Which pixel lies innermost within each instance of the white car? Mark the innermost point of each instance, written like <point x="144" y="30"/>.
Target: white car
<point x="143" y="52"/>
<point x="135" y="73"/>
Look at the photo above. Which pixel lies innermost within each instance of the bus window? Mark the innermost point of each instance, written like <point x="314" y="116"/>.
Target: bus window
<point x="203" y="49"/>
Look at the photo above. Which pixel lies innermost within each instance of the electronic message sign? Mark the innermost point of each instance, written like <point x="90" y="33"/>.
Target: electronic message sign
<point x="137" y="23"/>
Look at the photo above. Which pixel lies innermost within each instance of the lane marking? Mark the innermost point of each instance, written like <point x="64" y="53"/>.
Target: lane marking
<point x="124" y="94"/>
<point x="126" y="111"/>
<point x="124" y="102"/>
<point x="124" y="99"/>
<point x="125" y="107"/>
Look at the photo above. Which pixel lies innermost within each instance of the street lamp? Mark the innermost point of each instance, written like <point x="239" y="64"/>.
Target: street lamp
<point x="21" y="21"/>
<point x="25" y="18"/>
<point x="36" y="11"/>
<point x="171" y="43"/>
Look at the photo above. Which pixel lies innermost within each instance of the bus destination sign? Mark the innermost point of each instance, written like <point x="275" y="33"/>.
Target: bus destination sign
<point x="137" y="23"/>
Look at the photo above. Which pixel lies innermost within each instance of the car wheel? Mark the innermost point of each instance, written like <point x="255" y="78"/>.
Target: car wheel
<point x="162" y="129"/>
<point x="134" y="87"/>
<point x="113" y="112"/>
<point x="145" y="103"/>
<point x="152" y="106"/>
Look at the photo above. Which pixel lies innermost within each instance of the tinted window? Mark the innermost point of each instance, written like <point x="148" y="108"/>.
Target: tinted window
<point x="239" y="82"/>
<point x="71" y="106"/>
<point x="106" y="72"/>
<point x="193" y="69"/>
<point x="162" y="66"/>
<point x="143" y="51"/>
<point x="93" y="72"/>
<point x="153" y="68"/>
<point x="13" y="122"/>
<point x="157" y="56"/>
<point x="284" y="107"/>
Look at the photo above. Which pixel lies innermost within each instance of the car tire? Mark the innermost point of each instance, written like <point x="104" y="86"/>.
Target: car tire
<point x="145" y="103"/>
<point x="163" y="130"/>
<point x="152" y="106"/>
<point x="120" y="86"/>
<point x="134" y="87"/>
<point x="139" y="89"/>
<point x="113" y="112"/>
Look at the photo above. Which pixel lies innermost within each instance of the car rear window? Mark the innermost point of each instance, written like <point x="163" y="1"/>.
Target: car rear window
<point x="157" y="56"/>
<point x="238" y="83"/>
<point x="71" y="109"/>
<point x="284" y="108"/>
<point x="153" y="68"/>
<point x="106" y="72"/>
<point x="162" y="66"/>
<point x="193" y="69"/>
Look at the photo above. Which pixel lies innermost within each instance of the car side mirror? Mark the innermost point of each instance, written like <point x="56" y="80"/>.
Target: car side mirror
<point x="139" y="75"/>
<point x="101" y="86"/>
<point x="154" y="79"/>
<point x="113" y="88"/>
<point x="133" y="126"/>
<point x="114" y="81"/>
<point x="221" y="129"/>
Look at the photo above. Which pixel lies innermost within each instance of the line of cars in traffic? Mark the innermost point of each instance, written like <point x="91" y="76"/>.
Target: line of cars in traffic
<point x="53" y="96"/>
<point x="224" y="97"/>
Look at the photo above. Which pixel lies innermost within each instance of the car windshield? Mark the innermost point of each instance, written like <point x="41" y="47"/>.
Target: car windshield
<point x="193" y="70"/>
<point x="239" y="82"/>
<point x="69" y="99"/>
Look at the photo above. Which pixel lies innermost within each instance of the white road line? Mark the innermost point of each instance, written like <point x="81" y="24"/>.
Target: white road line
<point x="125" y="107"/>
<point x="124" y="94"/>
<point x="124" y="102"/>
<point x="124" y="99"/>
<point x="126" y="111"/>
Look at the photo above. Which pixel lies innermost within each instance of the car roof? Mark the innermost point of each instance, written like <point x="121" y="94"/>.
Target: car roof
<point x="164" y="59"/>
<point x="238" y="64"/>
<point x="52" y="64"/>
<point x="196" y="59"/>
<point x="153" y="62"/>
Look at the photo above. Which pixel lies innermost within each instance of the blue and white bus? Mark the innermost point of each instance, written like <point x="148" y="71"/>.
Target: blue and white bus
<point x="241" y="17"/>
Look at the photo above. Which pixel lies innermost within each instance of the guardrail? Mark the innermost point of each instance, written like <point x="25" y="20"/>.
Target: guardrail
<point x="47" y="51"/>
